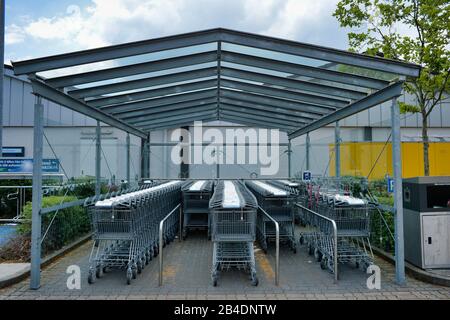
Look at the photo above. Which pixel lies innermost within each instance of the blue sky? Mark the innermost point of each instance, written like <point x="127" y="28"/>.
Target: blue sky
<point x="39" y="28"/>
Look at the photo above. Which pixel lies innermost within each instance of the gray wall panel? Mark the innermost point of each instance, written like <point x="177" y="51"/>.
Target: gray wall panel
<point x="6" y="101"/>
<point x="445" y="110"/>
<point x="28" y="106"/>
<point x="16" y="106"/>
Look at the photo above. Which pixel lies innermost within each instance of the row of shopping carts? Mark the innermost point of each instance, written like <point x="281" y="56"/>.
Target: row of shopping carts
<point x="233" y="210"/>
<point x="126" y="228"/>
<point x="279" y="204"/>
<point x="319" y="204"/>
<point x="196" y="196"/>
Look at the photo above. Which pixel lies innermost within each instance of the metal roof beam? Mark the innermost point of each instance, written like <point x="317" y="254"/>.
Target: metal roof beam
<point x="320" y="53"/>
<point x="264" y="108"/>
<point x="284" y="94"/>
<point x="60" y="98"/>
<point x="247" y="123"/>
<point x="268" y="115"/>
<point x="179" y="111"/>
<point x="272" y="121"/>
<point x="308" y="111"/>
<point x="154" y="93"/>
<point x="115" y="52"/>
<point x="391" y="91"/>
<point x="170" y="107"/>
<point x="302" y="70"/>
<point x="132" y="107"/>
<point x="97" y="91"/>
<point x="176" y="117"/>
<point x="214" y="35"/>
<point x="253" y="122"/>
<point x="133" y="69"/>
<point x="177" y="124"/>
<point x="291" y="83"/>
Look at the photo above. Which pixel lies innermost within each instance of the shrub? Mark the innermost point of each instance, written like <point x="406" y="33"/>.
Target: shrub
<point x="68" y="224"/>
<point x="16" y="249"/>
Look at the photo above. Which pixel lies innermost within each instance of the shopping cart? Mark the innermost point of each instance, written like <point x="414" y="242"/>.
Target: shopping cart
<point x="196" y="196"/>
<point x="233" y="211"/>
<point x="125" y="229"/>
<point x="294" y="190"/>
<point x="278" y="203"/>
<point x="351" y="217"/>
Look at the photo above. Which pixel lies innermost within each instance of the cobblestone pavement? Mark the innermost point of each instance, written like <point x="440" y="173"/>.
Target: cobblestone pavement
<point x="187" y="267"/>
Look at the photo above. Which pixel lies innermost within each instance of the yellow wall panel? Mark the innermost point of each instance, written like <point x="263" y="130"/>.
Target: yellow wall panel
<point x="358" y="159"/>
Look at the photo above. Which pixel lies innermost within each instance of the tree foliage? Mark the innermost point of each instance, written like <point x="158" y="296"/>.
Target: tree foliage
<point x="416" y="31"/>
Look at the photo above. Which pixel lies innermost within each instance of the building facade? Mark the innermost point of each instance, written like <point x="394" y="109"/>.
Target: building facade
<point x="70" y="138"/>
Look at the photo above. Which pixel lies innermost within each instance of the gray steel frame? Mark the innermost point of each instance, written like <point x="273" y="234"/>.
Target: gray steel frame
<point x="256" y="98"/>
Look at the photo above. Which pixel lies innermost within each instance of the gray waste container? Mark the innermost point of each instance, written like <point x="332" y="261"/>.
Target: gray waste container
<point x="426" y="203"/>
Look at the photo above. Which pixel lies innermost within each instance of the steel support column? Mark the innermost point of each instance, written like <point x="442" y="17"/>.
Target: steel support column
<point x="36" y="225"/>
<point x="398" y="194"/>
<point x="308" y="147"/>
<point x="98" y="158"/>
<point x="128" y="160"/>
<point x="2" y="53"/>
<point x="337" y="149"/>
<point x="219" y="66"/>
<point x="289" y="151"/>
<point x="146" y="158"/>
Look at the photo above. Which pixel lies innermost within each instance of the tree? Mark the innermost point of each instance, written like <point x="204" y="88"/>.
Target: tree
<point x="416" y="31"/>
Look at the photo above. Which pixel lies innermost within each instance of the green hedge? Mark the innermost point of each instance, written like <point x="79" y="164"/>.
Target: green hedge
<point x="69" y="224"/>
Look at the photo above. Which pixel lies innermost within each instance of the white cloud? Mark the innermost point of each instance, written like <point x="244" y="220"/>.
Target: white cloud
<point x="14" y="34"/>
<point x="105" y="22"/>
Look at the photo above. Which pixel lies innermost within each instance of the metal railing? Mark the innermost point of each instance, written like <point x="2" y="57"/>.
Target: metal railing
<point x="277" y="246"/>
<point x="161" y="240"/>
<point x="335" y="242"/>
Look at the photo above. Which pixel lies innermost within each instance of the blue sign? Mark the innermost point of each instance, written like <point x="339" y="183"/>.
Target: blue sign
<point x="390" y="185"/>
<point x="13" y="152"/>
<point x="306" y="176"/>
<point x="26" y="165"/>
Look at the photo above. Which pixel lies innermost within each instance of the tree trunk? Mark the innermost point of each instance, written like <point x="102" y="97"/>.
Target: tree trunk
<point x="426" y="145"/>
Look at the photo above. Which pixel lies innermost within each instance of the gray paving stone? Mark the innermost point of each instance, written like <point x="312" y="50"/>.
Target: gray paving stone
<point x="187" y="276"/>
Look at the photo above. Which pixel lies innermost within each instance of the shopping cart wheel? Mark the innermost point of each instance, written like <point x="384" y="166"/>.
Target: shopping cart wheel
<point x="293" y="246"/>
<point x="323" y="263"/>
<point x="139" y="266"/>
<point x="91" y="276"/>
<point x="215" y="277"/>
<point x="317" y="255"/>
<point x="330" y="265"/>
<point x="150" y="254"/>
<point x="310" y="250"/>
<point x="99" y="272"/>
<point x="254" y="280"/>
<point x="365" y="265"/>
<point x="155" y="251"/>
<point x="301" y="240"/>
<point x="129" y="275"/>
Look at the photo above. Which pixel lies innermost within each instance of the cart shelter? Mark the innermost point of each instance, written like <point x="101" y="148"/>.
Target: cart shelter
<point x="216" y="74"/>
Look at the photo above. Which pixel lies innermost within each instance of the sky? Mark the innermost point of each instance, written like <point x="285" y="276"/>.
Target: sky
<point x="36" y="28"/>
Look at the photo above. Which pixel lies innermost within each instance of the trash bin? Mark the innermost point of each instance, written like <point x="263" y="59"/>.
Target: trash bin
<point x="426" y="204"/>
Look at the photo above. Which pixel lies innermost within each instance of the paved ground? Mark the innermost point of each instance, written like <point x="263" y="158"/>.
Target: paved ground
<point x="10" y="270"/>
<point x="187" y="276"/>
